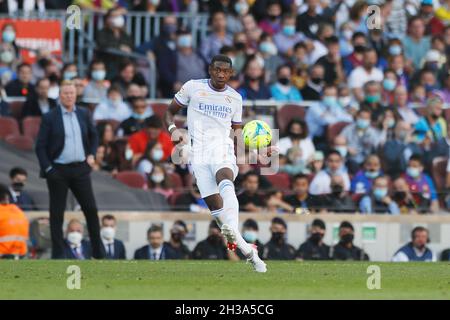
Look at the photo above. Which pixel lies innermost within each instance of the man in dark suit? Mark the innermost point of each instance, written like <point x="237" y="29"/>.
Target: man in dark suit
<point x="22" y="86"/>
<point x="156" y="249"/>
<point x="19" y="197"/>
<point x="66" y="145"/>
<point x="39" y="104"/>
<point x="75" y="247"/>
<point x="176" y="248"/>
<point x="114" y="248"/>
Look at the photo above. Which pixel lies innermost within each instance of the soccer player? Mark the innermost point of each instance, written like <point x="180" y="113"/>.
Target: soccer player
<point x="213" y="108"/>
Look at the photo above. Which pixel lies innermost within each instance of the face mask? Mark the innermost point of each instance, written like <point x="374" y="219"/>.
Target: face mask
<point x="402" y="135"/>
<point x="399" y="196"/>
<point x="157" y="178"/>
<point x="157" y="154"/>
<point x="395" y="50"/>
<point x="295" y="135"/>
<point x="18" y="186"/>
<point x="8" y="36"/>
<point x="316" y="237"/>
<point x="154" y="2"/>
<point x="391" y="123"/>
<point x="342" y="150"/>
<point x="372" y="98"/>
<point x="69" y="75"/>
<point x="215" y="239"/>
<point x="329" y="101"/>
<point x="177" y="237"/>
<point x="359" y="49"/>
<point x="185" y="41"/>
<point x="289" y="30"/>
<point x="362" y="123"/>
<point x="240" y="46"/>
<point x="273" y="17"/>
<point x="372" y="174"/>
<point x="250" y="236"/>
<point x="284" y="81"/>
<point x="7" y="57"/>
<point x="348" y="238"/>
<point x="170" y="28"/>
<point x="413" y="172"/>
<point x="316" y="80"/>
<point x="429" y="87"/>
<point x="128" y="154"/>
<point x="138" y="116"/>
<point x="118" y="21"/>
<point x="74" y="238"/>
<point x="337" y="189"/>
<point x="278" y="236"/>
<point x="241" y="8"/>
<point x="268" y="48"/>
<point x="347" y="34"/>
<point x="98" y="75"/>
<point x="116" y="102"/>
<point x="345" y="101"/>
<point x="389" y="84"/>
<point x="379" y="193"/>
<point x="108" y="233"/>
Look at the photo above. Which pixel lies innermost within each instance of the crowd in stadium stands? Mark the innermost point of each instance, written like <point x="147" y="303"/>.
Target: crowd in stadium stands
<point x="375" y="121"/>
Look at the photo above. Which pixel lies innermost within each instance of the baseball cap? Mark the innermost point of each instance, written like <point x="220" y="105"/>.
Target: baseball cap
<point x="426" y="2"/>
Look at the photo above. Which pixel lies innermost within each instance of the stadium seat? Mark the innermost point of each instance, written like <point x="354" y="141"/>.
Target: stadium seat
<point x="31" y="126"/>
<point x="177" y="182"/>
<point x="439" y="171"/>
<point x="16" y="109"/>
<point x="132" y="179"/>
<point x="20" y="142"/>
<point x="335" y="129"/>
<point x="8" y="126"/>
<point x="172" y="200"/>
<point x="159" y="109"/>
<point x="286" y="113"/>
<point x="280" y="180"/>
<point x="114" y="123"/>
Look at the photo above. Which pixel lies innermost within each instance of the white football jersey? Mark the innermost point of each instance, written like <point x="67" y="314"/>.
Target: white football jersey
<point x="210" y="113"/>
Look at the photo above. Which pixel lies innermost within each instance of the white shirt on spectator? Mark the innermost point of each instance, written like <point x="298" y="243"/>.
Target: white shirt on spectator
<point x="306" y="145"/>
<point x="402" y="257"/>
<point x="408" y="114"/>
<point x="359" y="77"/>
<point x="107" y="111"/>
<point x="322" y="180"/>
<point x="319" y="51"/>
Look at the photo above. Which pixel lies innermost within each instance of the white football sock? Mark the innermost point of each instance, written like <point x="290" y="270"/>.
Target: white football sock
<point x="229" y="214"/>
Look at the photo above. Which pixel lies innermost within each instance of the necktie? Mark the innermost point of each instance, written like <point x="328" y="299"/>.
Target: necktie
<point x="154" y="256"/>
<point x="110" y="251"/>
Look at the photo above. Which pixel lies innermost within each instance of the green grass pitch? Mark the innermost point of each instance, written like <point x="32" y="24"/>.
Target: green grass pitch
<point x="46" y="279"/>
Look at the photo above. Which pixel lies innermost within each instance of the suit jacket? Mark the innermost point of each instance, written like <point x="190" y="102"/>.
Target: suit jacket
<point x="85" y="247"/>
<point x="23" y="201"/>
<point x="119" y="250"/>
<point x="16" y="88"/>
<point x="51" y="137"/>
<point x="31" y="107"/>
<point x="143" y="253"/>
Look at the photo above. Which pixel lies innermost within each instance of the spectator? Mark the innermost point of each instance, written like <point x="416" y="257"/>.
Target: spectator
<point x="286" y="38"/>
<point x="331" y="62"/>
<point x="338" y="200"/>
<point x="283" y="90"/>
<point x="277" y="248"/>
<point x="372" y="100"/>
<point x="416" y="44"/>
<point x="379" y="201"/>
<point x="127" y="76"/>
<point x="363" y="180"/>
<point x="364" y="73"/>
<point x="446" y="87"/>
<point x="39" y="104"/>
<point x="175" y="245"/>
<point x="152" y="155"/>
<point x="295" y="163"/>
<point x="271" y="24"/>
<point x="250" y="234"/>
<point x="79" y="86"/>
<point x="9" y="34"/>
<point x="157" y="249"/>
<point x="17" y="194"/>
<point x="355" y="59"/>
<point x="321" y="184"/>
<point x="69" y="71"/>
<point x="234" y="23"/>
<point x="314" y="248"/>
<point x="417" y="249"/>
<point x="153" y="131"/>
<point x="315" y="83"/>
<point x="7" y="63"/>
<point x="249" y="199"/>
<point x="159" y="181"/>
<point x="345" y="249"/>
<point x="324" y="114"/>
<point x="362" y="139"/>
<point x="13" y="225"/>
<point x="269" y="53"/>
<point x="136" y="121"/>
<point x="113" y="38"/>
<point x="276" y="204"/>
<point x="396" y="152"/>
<point x="420" y="184"/>
<point x="433" y="126"/>
<point x="211" y="45"/>
<point x="254" y="87"/>
<point x="404" y="198"/>
<point x="114" y="108"/>
<point x="96" y="89"/>
<point x="297" y="136"/>
<point x="403" y="108"/>
<point x="213" y="247"/>
<point x="189" y="64"/>
<point x="22" y="86"/>
<point x="301" y="199"/>
<point x="345" y="39"/>
<point x="4" y="107"/>
<point x="114" y="248"/>
<point x="309" y="21"/>
<point x="445" y="255"/>
<point x="75" y="247"/>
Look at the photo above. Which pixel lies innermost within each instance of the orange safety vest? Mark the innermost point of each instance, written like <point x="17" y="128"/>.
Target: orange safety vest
<point x="13" y="230"/>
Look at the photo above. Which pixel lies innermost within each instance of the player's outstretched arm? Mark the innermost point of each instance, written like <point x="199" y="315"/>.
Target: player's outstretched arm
<point x="173" y="109"/>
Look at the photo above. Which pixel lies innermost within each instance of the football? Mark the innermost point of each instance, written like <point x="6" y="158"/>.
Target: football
<point x="257" y="134"/>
